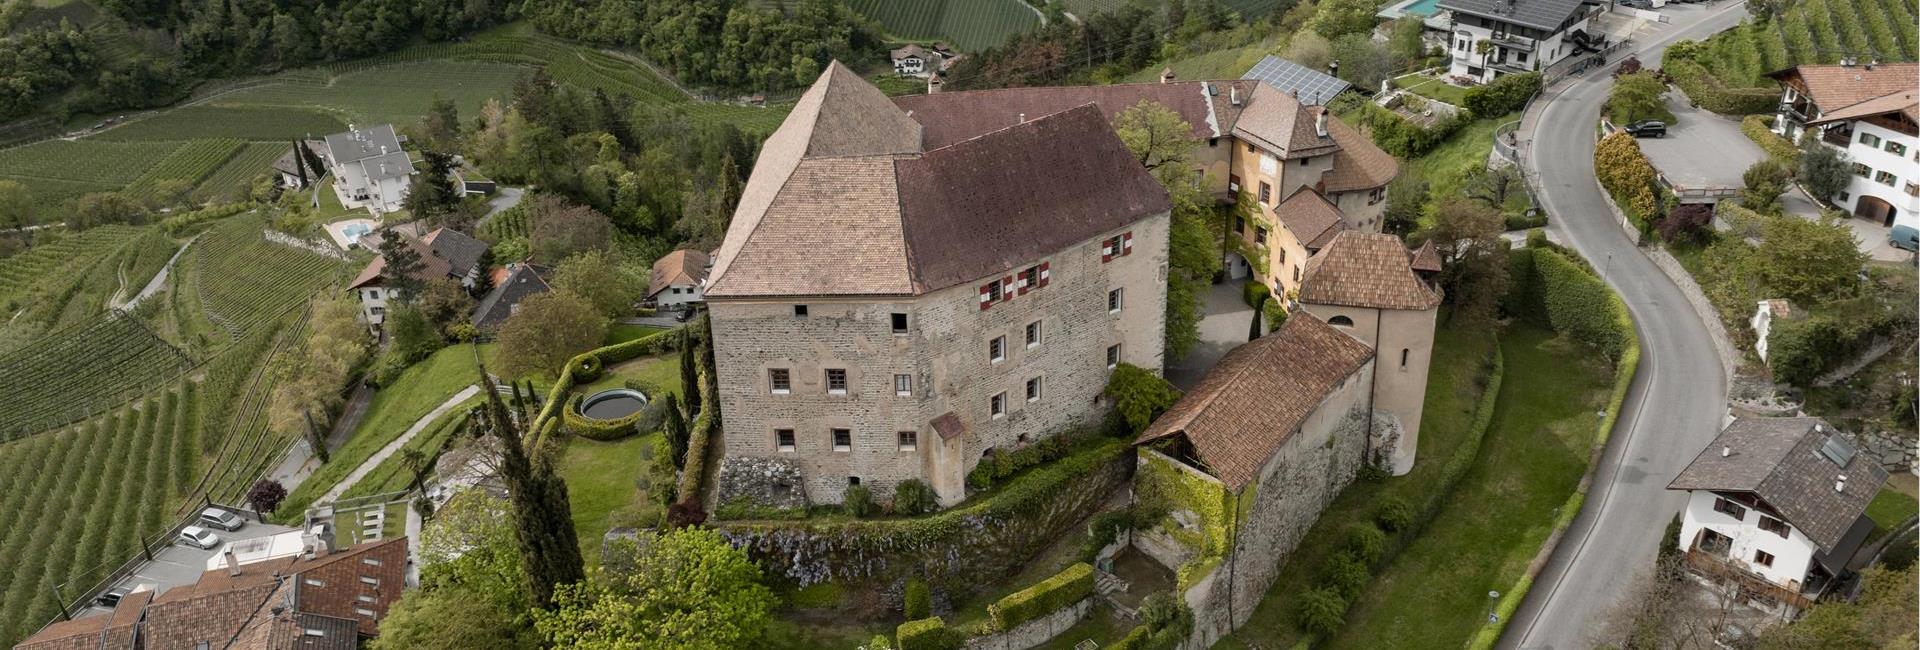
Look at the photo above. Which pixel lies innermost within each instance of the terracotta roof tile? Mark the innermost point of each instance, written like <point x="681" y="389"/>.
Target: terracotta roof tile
<point x="1283" y="125"/>
<point x="78" y="634"/>
<point x="1250" y="403"/>
<point x="1779" y="460"/>
<point x="684" y="266"/>
<point x="949" y="117"/>
<point x="432" y="265"/>
<point x="1833" y="87"/>
<point x="949" y="426"/>
<point x="1359" y="269"/>
<point x="842" y="211"/>
<point x="1310" y="217"/>
<point x="1903" y="102"/>
<point x="1426" y="258"/>
<point x="1360" y="164"/>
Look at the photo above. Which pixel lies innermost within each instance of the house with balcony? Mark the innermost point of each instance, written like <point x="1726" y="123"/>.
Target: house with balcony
<point x="369" y="168"/>
<point x="1776" y="507"/>
<point x="1870" y="113"/>
<point x="1490" y="38"/>
<point x="442" y="254"/>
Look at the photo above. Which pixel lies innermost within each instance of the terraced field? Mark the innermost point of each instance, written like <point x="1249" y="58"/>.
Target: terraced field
<point x="59" y="169"/>
<point x="22" y="273"/>
<point x="232" y="179"/>
<point x="240" y="280"/>
<point x="77" y="372"/>
<point x="1813" y="31"/>
<point x="189" y="165"/>
<point x="279" y="124"/>
<point x="971" y="25"/>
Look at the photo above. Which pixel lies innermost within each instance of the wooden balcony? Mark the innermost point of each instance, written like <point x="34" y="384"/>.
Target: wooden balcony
<point x="1752" y="585"/>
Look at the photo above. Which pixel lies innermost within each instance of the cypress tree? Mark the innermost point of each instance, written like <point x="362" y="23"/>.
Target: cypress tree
<point x="543" y="526"/>
<point x="689" y="377"/>
<point x="677" y="431"/>
<point x="300" y="163"/>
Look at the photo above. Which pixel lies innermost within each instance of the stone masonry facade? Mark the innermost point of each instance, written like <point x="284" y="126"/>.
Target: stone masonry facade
<point x="944" y="354"/>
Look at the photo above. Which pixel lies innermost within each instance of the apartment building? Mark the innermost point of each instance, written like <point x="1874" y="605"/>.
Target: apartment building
<point x="1490" y="38"/>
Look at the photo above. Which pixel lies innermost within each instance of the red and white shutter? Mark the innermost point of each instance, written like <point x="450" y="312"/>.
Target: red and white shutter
<point x="986" y="296"/>
<point x="1044" y="274"/>
<point x="1126" y="243"/>
<point x="1006" y="288"/>
<point x="1107" y="247"/>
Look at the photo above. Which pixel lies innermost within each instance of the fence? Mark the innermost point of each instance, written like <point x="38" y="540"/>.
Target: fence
<point x="69" y="609"/>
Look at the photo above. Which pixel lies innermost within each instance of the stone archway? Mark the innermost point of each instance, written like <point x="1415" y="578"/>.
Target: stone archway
<point x="1874" y="209"/>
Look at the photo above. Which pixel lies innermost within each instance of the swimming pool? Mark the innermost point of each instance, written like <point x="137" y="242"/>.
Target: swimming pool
<point x="1421" y="8"/>
<point x="353" y="231"/>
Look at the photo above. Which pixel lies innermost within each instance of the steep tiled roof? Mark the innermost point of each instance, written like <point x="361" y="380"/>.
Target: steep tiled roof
<point x="949" y="117"/>
<point x="684" y="266"/>
<point x="519" y="282"/>
<point x="1310" y="217"/>
<point x="949" y="426"/>
<point x="1280" y="123"/>
<point x="1426" y="258"/>
<point x="1310" y="85"/>
<point x="1903" y="102"/>
<point x="77" y="634"/>
<point x="461" y="251"/>
<point x="1833" y="87"/>
<point x="1359" y="269"/>
<point x="1250" y="403"/>
<point x="432" y="266"/>
<point x="891" y="220"/>
<point x="1360" y="164"/>
<point x="1780" y="461"/>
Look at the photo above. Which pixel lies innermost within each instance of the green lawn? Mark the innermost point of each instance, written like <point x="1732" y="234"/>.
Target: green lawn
<point x="606" y="484"/>
<point x="1454" y="387"/>
<point x="1432" y="88"/>
<point x="1445" y="166"/>
<point x="393" y="474"/>
<point x="394" y="408"/>
<point x="1890" y="508"/>
<point x="1434" y="594"/>
<point x="660" y="370"/>
<point x="623" y="332"/>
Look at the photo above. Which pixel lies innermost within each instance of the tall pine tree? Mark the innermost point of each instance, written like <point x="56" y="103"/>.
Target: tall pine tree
<point x="542" y="517"/>
<point x="401" y="264"/>
<point x="678" y="433"/>
<point x="689" y="376"/>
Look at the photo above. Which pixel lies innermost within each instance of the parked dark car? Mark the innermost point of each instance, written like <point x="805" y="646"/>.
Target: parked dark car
<point x="1647" y="129"/>
<point x="111" y="597"/>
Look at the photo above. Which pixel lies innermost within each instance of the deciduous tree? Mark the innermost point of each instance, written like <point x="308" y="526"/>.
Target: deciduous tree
<point x="595" y="276"/>
<point x="547" y="331"/>
<point x="1810" y="262"/>
<point x="1637" y="96"/>
<point x="1824" y="170"/>
<point x="1764" y="182"/>
<point x="685" y="589"/>
<point x="1473" y="257"/>
<point x="1156" y="135"/>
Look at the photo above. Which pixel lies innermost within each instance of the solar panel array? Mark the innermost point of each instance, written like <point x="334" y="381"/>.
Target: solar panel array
<point x="1314" y="87"/>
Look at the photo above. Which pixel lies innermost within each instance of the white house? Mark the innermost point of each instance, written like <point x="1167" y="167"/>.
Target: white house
<point x="1871" y="113"/>
<point x="443" y="253"/>
<point x="1518" y="35"/>
<point x="1776" y="505"/>
<point x="679" y="278"/>
<point x="369" y="168"/>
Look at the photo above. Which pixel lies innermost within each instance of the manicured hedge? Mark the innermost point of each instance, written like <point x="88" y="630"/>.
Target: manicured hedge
<point x="1708" y="93"/>
<point x="1069" y="586"/>
<point x="1136" y="639"/>
<point x="927" y="634"/>
<point x="1504" y="95"/>
<point x="694" y="475"/>
<point x="552" y="411"/>
<point x="590" y="428"/>
<point x="1577" y="304"/>
<point x="1758" y="129"/>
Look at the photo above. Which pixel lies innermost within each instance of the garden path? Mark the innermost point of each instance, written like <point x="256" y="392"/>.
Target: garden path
<point x="398" y="443"/>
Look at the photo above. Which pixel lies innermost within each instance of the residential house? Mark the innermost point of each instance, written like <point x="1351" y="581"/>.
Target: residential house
<point x="916" y="61"/>
<point x="1870" y="113"/>
<point x="890" y="303"/>
<point x="1278" y="428"/>
<point x="369" y="168"/>
<point x="1776" y="506"/>
<point x="1371" y="287"/>
<point x="1244" y="130"/>
<point x="1312" y="87"/>
<point x="512" y="284"/>
<point x="1490" y="38"/>
<point x="312" y="599"/>
<point x="679" y="277"/>
<point x="442" y="253"/>
<point x="293" y="169"/>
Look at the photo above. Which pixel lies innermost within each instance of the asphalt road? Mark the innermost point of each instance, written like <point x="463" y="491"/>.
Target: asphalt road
<point x="1678" y="397"/>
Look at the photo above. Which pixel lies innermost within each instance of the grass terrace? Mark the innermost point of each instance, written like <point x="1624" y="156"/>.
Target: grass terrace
<point x="1432" y="87"/>
<point x="1890" y="508"/>
<point x="607" y="486"/>
<point x="356" y="525"/>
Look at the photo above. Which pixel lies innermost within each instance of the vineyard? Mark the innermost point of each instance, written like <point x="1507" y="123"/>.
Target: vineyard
<point x="1812" y="31"/>
<point x="120" y="477"/>
<point x="60" y="169"/>
<point x="211" y="121"/>
<point x="22" y="273"/>
<point x="232" y="180"/>
<point x="971" y="25"/>
<point x="189" y="164"/>
<point x="77" y="372"/>
<point x="242" y="280"/>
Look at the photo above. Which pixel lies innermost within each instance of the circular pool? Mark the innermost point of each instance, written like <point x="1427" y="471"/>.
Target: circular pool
<point x="612" y="404"/>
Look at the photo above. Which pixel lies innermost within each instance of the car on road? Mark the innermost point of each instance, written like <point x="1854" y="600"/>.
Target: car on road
<point x="221" y="519"/>
<point x="1646" y="129"/>
<point x="197" y="537"/>
<point x="112" y="597"/>
<point x="1905" y="234"/>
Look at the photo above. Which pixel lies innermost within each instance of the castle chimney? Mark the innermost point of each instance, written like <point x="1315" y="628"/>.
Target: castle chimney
<point x="933" y="84"/>
<point x="233" y="562"/>
<point x="1023" y="118"/>
<point x="1166" y="75"/>
<point x="1333" y="68"/>
<point x="1320" y="123"/>
<point x="1725" y="451"/>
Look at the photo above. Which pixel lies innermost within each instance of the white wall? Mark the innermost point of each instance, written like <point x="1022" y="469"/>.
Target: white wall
<point x="373" y="303"/>
<point x="679" y="294"/>
<point x="1879" y="159"/>
<point x="1793" y="554"/>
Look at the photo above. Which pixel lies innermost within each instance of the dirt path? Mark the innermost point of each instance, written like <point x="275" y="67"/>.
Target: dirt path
<point x="397" y="444"/>
<point x="154" y="285"/>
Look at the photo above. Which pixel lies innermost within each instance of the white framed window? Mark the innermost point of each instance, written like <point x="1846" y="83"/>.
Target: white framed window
<point x="1033" y="389"/>
<point x="783" y="440"/>
<point x="1033" y="334"/>
<point x="997" y="405"/>
<point x="1113" y="356"/>
<point x="843" y="440"/>
<point x="780" y="381"/>
<point x="365" y="598"/>
<point x="997" y="349"/>
<point x="315" y="632"/>
<point x="1116" y="298"/>
<point x="370" y="561"/>
<point x="903" y="385"/>
<point x="836" y="381"/>
<point x="909" y="440"/>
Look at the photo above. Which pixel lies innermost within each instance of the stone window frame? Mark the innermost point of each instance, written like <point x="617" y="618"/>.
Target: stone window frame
<point x="1116" y="299"/>
<point x="1114" y="356"/>
<point x="997" y="349"/>
<point x="997" y="405"/>
<point x="792" y="443"/>
<point x="1034" y="334"/>
<point x="907" y="441"/>
<point x="902" y="384"/>
<point x="842" y="390"/>
<point x="1035" y="388"/>
<point x="834" y="436"/>
<point x="899" y="323"/>
<point x="778" y="376"/>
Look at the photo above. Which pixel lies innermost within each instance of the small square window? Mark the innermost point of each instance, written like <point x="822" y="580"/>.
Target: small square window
<point x="1895" y="148"/>
<point x="909" y="441"/>
<point x="853" y="480"/>
<point x="1726" y="507"/>
<point x="1870" y="139"/>
<point x="997" y="349"/>
<point x="836" y="381"/>
<point x="365" y="598"/>
<point x="780" y="380"/>
<point x="783" y="440"/>
<point x="1883" y="178"/>
<point x="1033" y="389"/>
<point x="800" y="311"/>
<point x="899" y="323"/>
<point x="1113" y="356"/>
<point x="903" y="385"/>
<point x="1239" y="225"/>
<point x="1774" y="526"/>
<point x="1266" y="192"/>
<point x="363" y="612"/>
<point x="1033" y="333"/>
<point x="998" y="405"/>
<point x="370" y="561"/>
<point x="1763" y="558"/>
<point x="1862" y="170"/>
<point x="1260" y="235"/>
<point x="843" y="440"/>
<point x="1115" y="298"/>
<point x="315" y="632"/>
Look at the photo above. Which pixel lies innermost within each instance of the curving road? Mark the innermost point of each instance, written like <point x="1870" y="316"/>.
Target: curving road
<point x="1679" y="395"/>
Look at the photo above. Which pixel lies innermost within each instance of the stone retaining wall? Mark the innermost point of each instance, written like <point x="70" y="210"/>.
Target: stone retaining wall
<point x="1034" y="632"/>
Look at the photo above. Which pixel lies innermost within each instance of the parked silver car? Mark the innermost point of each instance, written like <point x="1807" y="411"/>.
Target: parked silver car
<point x="197" y="537"/>
<point x="221" y="519"/>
